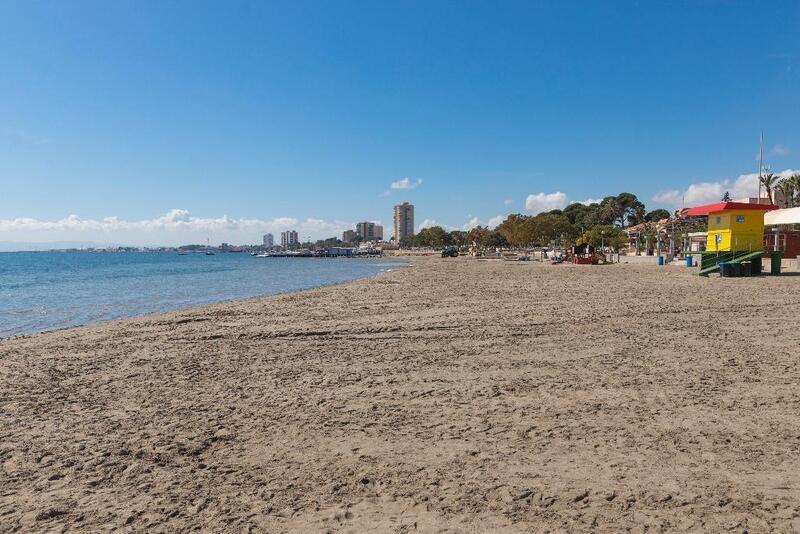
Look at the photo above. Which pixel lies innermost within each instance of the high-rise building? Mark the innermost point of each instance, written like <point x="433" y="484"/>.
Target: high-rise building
<point x="289" y="239"/>
<point x="403" y="221"/>
<point x="348" y="236"/>
<point x="369" y="231"/>
<point x="269" y="240"/>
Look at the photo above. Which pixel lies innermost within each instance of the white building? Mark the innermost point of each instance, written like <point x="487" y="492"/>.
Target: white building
<point x="289" y="239"/>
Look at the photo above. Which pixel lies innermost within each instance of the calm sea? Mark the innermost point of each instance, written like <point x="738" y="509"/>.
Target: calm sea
<point x="47" y="290"/>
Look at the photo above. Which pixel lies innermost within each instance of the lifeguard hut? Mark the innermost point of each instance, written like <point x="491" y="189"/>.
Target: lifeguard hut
<point x="735" y="235"/>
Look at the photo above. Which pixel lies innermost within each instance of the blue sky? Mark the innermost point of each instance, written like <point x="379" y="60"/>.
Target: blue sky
<point x="304" y="113"/>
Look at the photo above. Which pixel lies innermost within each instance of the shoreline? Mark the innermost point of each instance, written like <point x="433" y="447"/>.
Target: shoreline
<point x="408" y="262"/>
<point x="488" y="396"/>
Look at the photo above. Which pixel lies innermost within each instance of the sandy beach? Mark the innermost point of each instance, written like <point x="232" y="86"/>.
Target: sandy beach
<point x="454" y="395"/>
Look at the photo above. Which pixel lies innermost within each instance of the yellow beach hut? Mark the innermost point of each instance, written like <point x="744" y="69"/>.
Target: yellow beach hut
<point x="735" y="229"/>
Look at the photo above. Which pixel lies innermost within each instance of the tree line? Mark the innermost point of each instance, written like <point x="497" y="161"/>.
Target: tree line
<point x="601" y="222"/>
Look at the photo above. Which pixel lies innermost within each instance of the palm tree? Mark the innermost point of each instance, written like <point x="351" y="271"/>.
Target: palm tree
<point x="795" y="180"/>
<point x="786" y="188"/>
<point x="769" y="181"/>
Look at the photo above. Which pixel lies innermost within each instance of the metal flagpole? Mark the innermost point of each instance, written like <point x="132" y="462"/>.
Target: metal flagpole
<point x="760" y="164"/>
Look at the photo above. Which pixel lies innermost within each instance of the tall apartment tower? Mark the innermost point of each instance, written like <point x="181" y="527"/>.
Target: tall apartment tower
<point x="269" y="240"/>
<point x="369" y="231"/>
<point x="403" y="221"/>
<point x="288" y="239"/>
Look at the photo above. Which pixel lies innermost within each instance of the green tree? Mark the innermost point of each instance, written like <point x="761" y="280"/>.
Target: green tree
<point x="434" y="236"/>
<point x="627" y="208"/>
<point x="788" y="188"/>
<point x="516" y="229"/>
<point x="496" y="240"/>
<point x="608" y="235"/>
<point x="479" y="235"/>
<point x="547" y="227"/>
<point x="769" y="181"/>
<point x="656" y="215"/>
<point x="457" y="238"/>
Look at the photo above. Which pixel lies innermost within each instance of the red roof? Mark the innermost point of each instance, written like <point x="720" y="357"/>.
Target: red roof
<point x="727" y="206"/>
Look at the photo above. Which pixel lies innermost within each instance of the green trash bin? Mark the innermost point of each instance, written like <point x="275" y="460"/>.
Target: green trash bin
<point x="775" y="262"/>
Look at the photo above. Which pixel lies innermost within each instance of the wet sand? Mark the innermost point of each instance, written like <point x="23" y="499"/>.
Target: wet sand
<point x="452" y="396"/>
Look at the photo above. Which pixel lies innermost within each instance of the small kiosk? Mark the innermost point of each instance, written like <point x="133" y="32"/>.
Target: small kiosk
<point x="735" y="241"/>
<point x="583" y="255"/>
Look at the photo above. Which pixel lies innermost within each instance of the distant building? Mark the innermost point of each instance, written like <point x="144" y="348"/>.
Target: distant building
<point x="348" y="236"/>
<point x="369" y="231"/>
<point x="289" y="239"/>
<point x="269" y="240"/>
<point x="403" y="221"/>
<point x="340" y="251"/>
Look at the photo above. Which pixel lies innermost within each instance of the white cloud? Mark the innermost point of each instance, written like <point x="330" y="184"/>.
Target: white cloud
<point x="177" y="226"/>
<point x="671" y="197"/>
<point x="466" y="227"/>
<point x="508" y="202"/>
<point x="779" y="150"/>
<point x="471" y="223"/>
<point x="545" y="202"/>
<point x="494" y="222"/>
<point x="406" y="183"/>
<point x="427" y="223"/>
<point x="745" y="186"/>
<point x="553" y="201"/>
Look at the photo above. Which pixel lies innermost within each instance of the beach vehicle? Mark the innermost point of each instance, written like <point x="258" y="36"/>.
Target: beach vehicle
<point x="449" y="252"/>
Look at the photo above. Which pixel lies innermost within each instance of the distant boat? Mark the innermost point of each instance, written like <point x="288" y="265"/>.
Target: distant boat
<point x="208" y="248"/>
<point x="182" y="253"/>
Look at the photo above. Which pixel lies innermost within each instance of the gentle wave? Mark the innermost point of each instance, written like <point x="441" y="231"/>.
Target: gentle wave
<point x="49" y="290"/>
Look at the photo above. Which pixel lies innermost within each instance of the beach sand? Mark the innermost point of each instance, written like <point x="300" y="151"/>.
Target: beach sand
<point x="455" y="395"/>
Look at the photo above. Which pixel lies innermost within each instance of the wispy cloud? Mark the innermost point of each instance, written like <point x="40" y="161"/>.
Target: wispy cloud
<point x="19" y="138"/>
<point x="406" y="183"/>
<point x="175" y="227"/>
<point x="508" y="202"/>
<point x="779" y="150"/>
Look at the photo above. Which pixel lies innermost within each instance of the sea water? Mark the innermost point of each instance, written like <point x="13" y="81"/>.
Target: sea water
<point x="49" y="290"/>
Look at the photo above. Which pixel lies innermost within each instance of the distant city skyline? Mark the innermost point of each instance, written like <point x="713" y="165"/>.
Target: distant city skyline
<point x="160" y="124"/>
